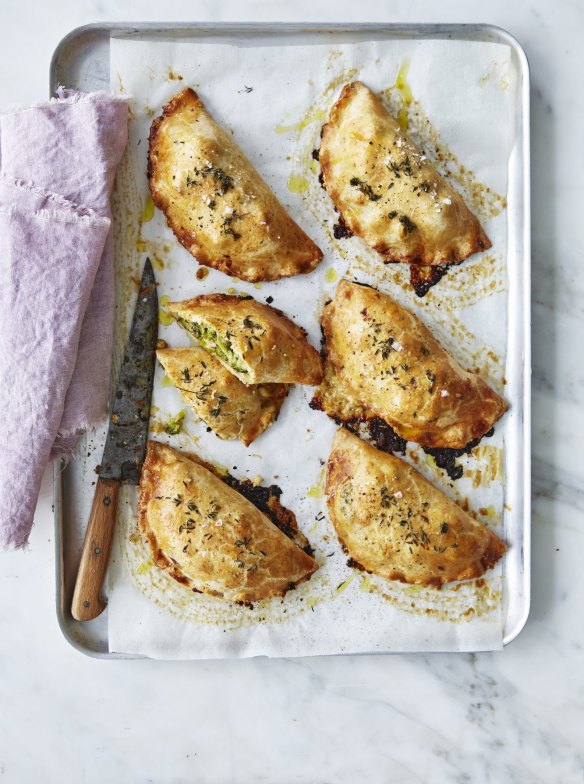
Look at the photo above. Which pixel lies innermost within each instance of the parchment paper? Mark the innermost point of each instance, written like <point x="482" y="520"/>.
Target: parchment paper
<point x="274" y="100"/>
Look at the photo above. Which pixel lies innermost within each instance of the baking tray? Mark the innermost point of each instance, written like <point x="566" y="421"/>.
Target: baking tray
<point x="81" y="61"/>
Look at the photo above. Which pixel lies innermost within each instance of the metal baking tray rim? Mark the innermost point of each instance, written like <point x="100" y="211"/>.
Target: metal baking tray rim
<point x="100" y="30"/>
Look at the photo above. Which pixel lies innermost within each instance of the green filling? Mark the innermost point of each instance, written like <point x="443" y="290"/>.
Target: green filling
<point x="174" y="425"/>
<point x="214" y="343"/>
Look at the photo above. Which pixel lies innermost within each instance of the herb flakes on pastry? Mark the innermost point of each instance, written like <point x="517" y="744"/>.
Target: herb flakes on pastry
<point x="388" y="193"/>
<point x="231" y="409"/>
<point x="255" y="342"/>
<point x="209" y="537"/>
<point x="394" y="523"/>
<point x="215" y="201"/>
<point x="382" y="361"/>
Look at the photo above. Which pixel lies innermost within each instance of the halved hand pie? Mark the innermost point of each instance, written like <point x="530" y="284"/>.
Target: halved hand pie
<point x="230" y="408"/>
<point x="209" y="537"/>
<point x="255" y="342"/>
<point x="394" y="523"/>
<point x="215" y="201"/>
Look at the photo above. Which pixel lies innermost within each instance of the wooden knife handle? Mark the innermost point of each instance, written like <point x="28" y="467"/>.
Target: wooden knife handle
<point x="87" y="602"/>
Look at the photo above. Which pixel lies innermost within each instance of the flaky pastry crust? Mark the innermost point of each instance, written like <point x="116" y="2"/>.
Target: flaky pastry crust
<point x="216" y="203"/>
<point x="394" y="523"/>
<point x="231" y="409"/>
<point x="382" y="361"/>
<point x="255" y="342"/>
<point x="210" y="538"/>
<point x="387" y="191"/>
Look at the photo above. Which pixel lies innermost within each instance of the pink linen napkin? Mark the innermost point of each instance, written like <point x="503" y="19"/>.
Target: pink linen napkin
<point x="57" y="167"/>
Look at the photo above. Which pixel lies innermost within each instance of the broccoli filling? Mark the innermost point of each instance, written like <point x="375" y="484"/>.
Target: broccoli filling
<point x="214" y="343"/>
<point x="174" y="425"/>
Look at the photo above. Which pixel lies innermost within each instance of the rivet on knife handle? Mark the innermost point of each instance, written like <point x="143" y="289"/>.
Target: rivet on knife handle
<point x="87" y="601"/>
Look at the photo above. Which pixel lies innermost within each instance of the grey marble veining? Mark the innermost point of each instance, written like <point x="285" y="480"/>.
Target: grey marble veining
<point x="517" y="716"/>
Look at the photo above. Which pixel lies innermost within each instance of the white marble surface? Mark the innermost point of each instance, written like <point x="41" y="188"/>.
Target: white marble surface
<point x="515" y="716"/>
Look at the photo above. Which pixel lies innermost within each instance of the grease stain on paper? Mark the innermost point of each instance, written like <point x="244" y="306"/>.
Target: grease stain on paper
<point x="454" y="603"/>
<point x="163" y="316"/>
<point x="297" y="183"/>
<point x="148" y="211"/>
<point x="405" y="93"/>
<point x="308" y="119"/>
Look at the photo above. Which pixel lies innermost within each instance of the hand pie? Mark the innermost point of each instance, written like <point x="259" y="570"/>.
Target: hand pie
<point x="209" y="537"/>
<point x="387" y="192"/>
<point x="230" y="408"/>
<point x="394" y="523"/>
<point x="255" y="342"/>
<point x="215" y="201"/>
<point x="381" y="361"/>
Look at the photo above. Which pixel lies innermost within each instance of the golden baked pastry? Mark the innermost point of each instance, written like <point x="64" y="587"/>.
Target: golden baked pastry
<point x="394" y="523"/>
<point x="387" y="191"/>
<point x="382" y="361"/>
<point x="215" y="201"/>
<point x="230" y="408"/>
<point x="255" y="342"/>
<point x="209" y="537"/>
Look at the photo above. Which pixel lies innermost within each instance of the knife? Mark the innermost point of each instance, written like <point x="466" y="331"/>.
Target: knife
<point x="124" y="450"/>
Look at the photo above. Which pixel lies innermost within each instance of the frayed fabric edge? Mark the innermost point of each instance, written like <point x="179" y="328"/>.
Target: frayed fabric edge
<point x="63" y="452"/>
<point x="12" y="545"/>
<point x="68" y="451"/>
<point x="27" y="186"/>
<point x="65" y="97"/>
<point x="54" y="215"/>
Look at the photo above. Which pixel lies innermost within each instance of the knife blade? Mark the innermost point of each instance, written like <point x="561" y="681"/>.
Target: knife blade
<point x="124" y="450"/>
